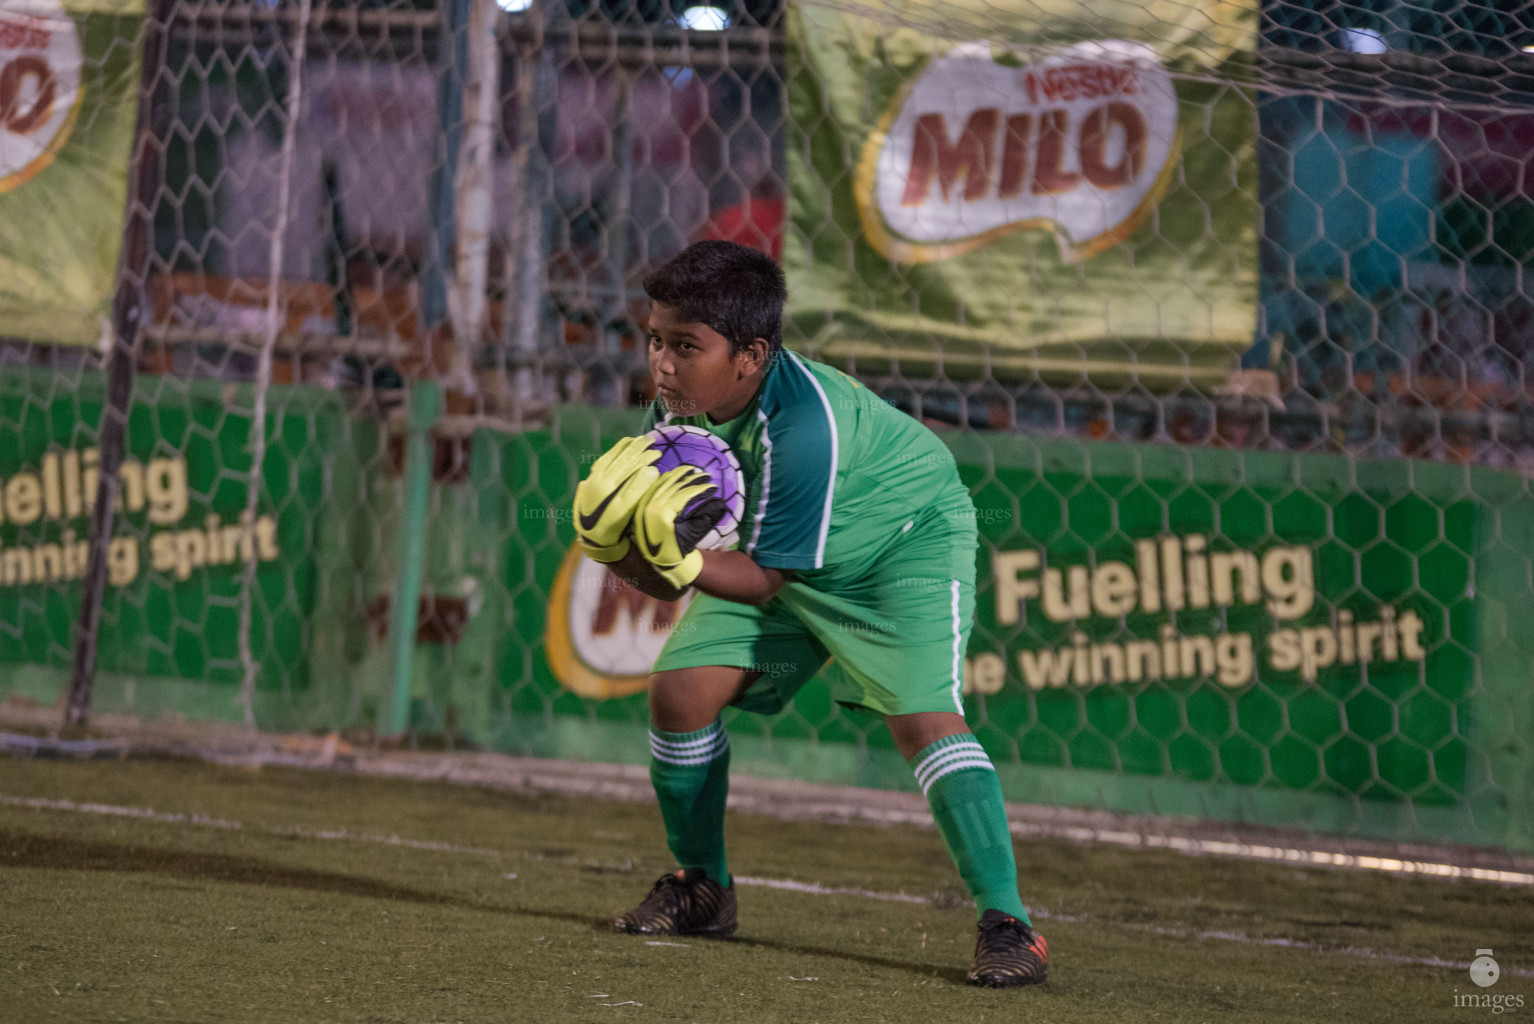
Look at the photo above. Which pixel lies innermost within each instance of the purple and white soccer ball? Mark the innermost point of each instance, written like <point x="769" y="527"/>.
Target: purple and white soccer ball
<point x="683" y="445"/>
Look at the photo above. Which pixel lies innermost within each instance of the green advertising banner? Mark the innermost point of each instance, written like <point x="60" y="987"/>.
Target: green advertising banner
<point x="182" y="534"/>
<point x="69" y="83"/>
<point x="1077" y="189"/>
<point x="1304" y="625"/>
<point x="1302" y="641"/>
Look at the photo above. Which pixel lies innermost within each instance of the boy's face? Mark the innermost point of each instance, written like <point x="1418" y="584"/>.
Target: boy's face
<point x="693" y="370"/>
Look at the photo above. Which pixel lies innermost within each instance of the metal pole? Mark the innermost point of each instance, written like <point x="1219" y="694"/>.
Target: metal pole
<point x="454" y="60"/>
<point x="537" y="129"/>
<point x="248" y="664"/>
<point x="426" y="394"/>
<point x="425" y="407"/>
<point x="475" y="194"/>
<point x="128" y="315"/>
<point x="612" y="383"/>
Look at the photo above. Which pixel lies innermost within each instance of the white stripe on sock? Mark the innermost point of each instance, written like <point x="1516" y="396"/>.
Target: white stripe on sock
<point x="704" y="735"/>
<point x="701" y="759"/>
<point x="937" y="756"/>
<point x="942" y="757"/>
<point x="958" y="766"/>
<point x="685" y="761"/>
<point x="713" y="743"/>
<point x="691" y="752"/>
<point x="690" y="745"/>
<point x="964" y="740"/>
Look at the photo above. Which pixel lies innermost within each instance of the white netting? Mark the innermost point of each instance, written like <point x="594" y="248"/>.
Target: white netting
<point x="1311" y="331"/>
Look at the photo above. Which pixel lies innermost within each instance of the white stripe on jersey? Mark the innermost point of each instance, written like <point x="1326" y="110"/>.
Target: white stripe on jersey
<point x="761" y="502"/>
<point x="958" y="681"/>
<point x="825" y="522"/>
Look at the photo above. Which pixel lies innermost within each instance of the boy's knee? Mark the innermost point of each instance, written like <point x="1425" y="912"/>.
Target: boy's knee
<point x="672" y="708"/>
<point x="914" y="732"/>
<point x="689" y="699"/>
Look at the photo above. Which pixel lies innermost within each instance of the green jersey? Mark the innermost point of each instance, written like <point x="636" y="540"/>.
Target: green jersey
<point x="835" y="476"/>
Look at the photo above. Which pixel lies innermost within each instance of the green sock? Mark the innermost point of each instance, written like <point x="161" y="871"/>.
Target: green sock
<point x="965" y="797"/>
<point x="691" y="775"/>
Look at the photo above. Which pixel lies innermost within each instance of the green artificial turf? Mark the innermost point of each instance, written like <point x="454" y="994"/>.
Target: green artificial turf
<point x="493" y="908"/>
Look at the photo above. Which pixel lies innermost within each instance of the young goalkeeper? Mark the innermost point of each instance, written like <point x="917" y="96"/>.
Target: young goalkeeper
<point x="858" y="544"/>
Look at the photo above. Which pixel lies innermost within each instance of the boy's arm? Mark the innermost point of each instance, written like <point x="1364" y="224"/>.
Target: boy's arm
<point x="733" y="576"/>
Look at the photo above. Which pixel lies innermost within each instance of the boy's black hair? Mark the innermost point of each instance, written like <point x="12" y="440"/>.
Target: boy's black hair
<point x="737" y="291"/>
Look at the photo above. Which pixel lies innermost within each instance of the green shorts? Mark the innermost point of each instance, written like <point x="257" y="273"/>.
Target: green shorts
<point x="895" y="639"/>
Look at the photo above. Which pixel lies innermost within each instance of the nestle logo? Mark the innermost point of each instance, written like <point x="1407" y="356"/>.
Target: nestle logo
<point x="18" y="35"/>
<point x="976" y="147"/>
<point x="1080" y="81"/>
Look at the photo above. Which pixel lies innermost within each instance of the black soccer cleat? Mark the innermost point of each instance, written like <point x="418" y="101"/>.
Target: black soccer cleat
<point x="683" y="903"/>
<point x="1008" y="953"/>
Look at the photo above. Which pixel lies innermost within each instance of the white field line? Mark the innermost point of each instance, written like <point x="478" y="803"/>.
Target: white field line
<point x="1241" y="938"/>
<point x="1363" y="952"/>
<point x="143" y="813"/>
<point x="816" y="889"/>
<point x="149" y="814"/>
<point x="1277" y="854"/>
<point x="1197" y="847"/>
<point x="784" y="884"/>
<point x="838" y="810"/>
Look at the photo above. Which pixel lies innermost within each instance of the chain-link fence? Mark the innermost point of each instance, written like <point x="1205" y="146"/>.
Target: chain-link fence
<point x="1221" y="308"/>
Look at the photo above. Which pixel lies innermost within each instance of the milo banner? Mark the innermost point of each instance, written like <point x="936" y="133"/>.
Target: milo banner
<point x="1075" y="187"/>
<point x="69" y="84"/>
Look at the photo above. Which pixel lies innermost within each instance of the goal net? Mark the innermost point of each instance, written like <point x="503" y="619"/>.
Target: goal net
<point x="1220" y="306"/>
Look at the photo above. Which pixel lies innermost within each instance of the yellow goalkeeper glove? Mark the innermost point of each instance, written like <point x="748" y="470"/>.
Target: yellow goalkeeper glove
<point x="668" y="536"/>
<point x="606" y="500"/>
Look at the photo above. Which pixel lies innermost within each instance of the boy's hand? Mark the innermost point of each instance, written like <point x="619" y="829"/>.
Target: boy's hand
<point x="606" y="500"/>
<point x="668" y="537"/>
